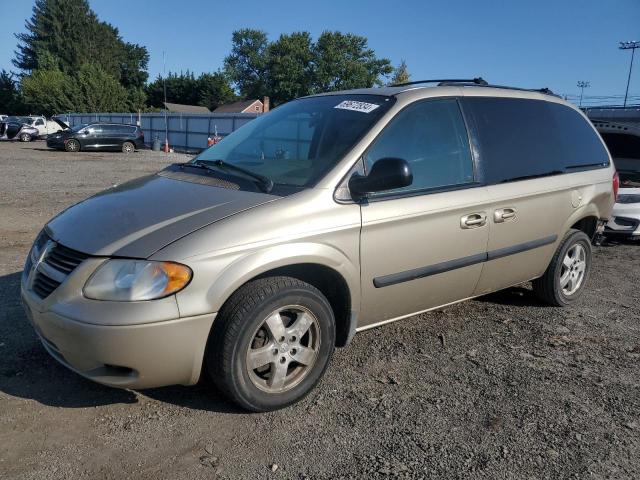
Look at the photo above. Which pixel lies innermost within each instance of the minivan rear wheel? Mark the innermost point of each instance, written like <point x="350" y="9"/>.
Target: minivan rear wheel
<point x="72" y="146"/>
<point x="25" y="137"/>
<point x="564" y="280"/>
<point x="128" y="147"/>
<point x="271" y="343"/>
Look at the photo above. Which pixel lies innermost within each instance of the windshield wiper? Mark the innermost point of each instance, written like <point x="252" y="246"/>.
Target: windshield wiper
<point x="265" y="183"/>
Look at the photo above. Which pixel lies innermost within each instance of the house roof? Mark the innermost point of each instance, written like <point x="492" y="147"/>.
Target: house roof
<point x="236" y="107"/>
<point x="179" y="108"/>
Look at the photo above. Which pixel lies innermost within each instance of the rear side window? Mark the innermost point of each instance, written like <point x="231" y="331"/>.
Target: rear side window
<point x="125" y="129"/>
<point x="522" y="138"/>
<point x="432" y="137"/>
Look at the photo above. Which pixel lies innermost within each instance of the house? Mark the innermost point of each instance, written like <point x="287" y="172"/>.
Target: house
<point x="179" y="108"/>
<point x="245" y="106"/>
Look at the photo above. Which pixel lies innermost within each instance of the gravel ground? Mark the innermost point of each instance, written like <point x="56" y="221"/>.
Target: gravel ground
<point x="499" y="387"/>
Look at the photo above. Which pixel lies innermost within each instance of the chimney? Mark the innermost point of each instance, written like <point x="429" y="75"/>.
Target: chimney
<point x="265" y="104"/>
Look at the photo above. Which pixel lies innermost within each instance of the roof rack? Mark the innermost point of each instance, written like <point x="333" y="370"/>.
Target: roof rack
<point x="545" y="90"/>
<point x="474" y="82"/>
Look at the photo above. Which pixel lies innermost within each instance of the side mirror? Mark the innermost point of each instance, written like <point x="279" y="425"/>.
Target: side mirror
<point x="385" y="174"/>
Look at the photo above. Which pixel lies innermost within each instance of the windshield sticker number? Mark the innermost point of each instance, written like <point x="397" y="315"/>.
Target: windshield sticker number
<point x="363" y="107"/>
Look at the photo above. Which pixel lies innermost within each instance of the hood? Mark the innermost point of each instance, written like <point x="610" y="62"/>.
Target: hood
<point x="61" y="123"/>
<point x="138" y="218"/>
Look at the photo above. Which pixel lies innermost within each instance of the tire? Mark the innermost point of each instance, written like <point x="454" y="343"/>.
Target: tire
<point x="564" y="280"/>
<point x="72" y="146"/>
<point x="25" y="137"/>
<point x="247" y="328"/>
<point x="128" y="147"/>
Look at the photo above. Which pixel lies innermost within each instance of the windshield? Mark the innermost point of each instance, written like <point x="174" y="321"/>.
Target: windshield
<point x="77" y="128"/>
<point x="299" y="142"/>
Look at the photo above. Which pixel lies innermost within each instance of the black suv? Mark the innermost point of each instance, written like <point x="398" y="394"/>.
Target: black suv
<point x="98" y="136"/>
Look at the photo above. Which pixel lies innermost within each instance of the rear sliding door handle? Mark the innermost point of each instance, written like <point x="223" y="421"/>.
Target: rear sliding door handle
<point x="503" y="214"/>
<point x="473" y="220"/>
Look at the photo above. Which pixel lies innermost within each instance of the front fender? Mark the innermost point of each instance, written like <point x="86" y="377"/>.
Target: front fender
<point x="215" y="279"/>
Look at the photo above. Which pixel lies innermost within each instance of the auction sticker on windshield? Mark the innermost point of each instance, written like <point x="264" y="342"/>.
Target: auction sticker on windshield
<point x="356" y="106"/>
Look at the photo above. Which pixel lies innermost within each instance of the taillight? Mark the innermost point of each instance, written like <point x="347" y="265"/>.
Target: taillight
<point x="616" y="185"/>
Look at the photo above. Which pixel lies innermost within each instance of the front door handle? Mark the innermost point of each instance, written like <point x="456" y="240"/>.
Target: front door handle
<point x="503" y="214"/>
<point x="473" y="220"/>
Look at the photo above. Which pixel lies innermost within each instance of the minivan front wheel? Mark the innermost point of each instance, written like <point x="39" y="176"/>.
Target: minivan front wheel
<point x="565" y="277"/>
<point x="271" y="343"/>
<point x="25" y="137"/>
<point x="128" y="147"/>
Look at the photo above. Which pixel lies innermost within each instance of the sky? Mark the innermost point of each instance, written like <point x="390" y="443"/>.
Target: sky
<point x="533" y="43"/>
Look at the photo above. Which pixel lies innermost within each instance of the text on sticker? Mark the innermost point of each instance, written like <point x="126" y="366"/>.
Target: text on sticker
<point x="356" y="106"/>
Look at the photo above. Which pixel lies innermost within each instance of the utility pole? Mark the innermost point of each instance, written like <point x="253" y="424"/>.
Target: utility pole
<point x="164" y="87"/>
<point x="629" y="46"/>
<point x="582" y="85"/>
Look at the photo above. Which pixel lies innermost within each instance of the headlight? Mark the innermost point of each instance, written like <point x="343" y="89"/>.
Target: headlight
<point x="132" y="280"/>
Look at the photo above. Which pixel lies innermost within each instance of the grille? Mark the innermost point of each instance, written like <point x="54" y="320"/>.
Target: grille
<point x="58" y="262"/>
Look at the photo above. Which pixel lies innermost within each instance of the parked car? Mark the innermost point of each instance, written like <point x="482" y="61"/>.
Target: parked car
<point x="98" y="136"/>
<point x="15" y="128"/>
<point x="623" y="141"/>
<point x="329" y="215"/>
<point x="45" y="126"/>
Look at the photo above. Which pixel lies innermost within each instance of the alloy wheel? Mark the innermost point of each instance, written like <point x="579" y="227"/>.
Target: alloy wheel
<point x="284" y="349"/>
<point x="574" y="266"/>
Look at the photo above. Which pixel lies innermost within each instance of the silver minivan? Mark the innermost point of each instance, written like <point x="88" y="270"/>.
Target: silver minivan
<point x="329" y="215"/>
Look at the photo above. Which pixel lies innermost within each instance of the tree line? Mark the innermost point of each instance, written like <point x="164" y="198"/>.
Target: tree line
<point x="69" y="60"/>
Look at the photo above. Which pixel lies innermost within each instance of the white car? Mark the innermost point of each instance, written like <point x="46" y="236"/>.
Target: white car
<point x="623" y="141"/>
<point x="44" y="126"/>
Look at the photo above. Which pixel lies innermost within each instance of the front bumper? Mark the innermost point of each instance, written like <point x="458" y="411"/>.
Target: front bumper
<point x="127" y="356"/>
<point x="625" y="220"/>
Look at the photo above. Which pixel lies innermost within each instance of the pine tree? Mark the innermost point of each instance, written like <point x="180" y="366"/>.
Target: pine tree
<point x="10" y="98"/>
<point x="400" y="74"/>
<point x="69" y="34"/>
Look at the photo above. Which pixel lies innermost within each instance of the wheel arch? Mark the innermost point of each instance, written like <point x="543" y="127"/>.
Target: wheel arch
<point x="584" y="219"/>
<point x="588" y="225"/>
<point x="322" y="266"/>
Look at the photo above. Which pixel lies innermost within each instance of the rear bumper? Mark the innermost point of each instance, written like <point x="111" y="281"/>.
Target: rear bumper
<point x="129" y="356"/>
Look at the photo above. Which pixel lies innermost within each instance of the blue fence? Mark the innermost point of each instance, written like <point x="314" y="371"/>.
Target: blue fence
<point x="185" y="131"/>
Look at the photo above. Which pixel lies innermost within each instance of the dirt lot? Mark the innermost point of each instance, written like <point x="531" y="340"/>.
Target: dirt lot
<point x="499" y="387"/>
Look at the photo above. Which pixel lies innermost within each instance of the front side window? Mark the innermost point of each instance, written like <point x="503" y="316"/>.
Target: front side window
<point x="431" y="136"/>
<point x="297" y="143"/>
